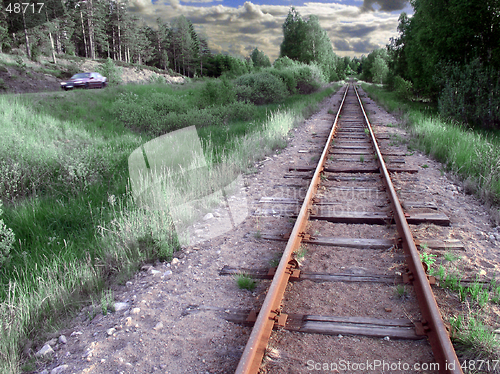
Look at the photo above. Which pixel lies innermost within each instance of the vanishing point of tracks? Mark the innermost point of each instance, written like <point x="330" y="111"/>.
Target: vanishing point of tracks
<point x="352" y="143"/>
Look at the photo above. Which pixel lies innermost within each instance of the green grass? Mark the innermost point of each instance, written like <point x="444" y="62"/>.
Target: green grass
<point x="473" y="155"/>
<point x="64" y="181"/>
<point x="245" y="282"/>
<point x="472" y="336"/>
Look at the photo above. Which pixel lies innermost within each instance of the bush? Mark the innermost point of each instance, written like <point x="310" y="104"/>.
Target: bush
<point x="7" y="239"/>
<point x="217" y="92"/>
<point x="283" y="63"/>
<point x="403" y="88"/>
<point x="265" y="88"/>
<point x="21" y="65"/>
<point x="112" y="72"/>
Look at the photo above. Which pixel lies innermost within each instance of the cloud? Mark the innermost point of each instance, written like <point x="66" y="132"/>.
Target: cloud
<point x="233" y="29"/>
<point x="355" y="45"/>
<point x="385" y="5"/>
<point x="356" y="30"/>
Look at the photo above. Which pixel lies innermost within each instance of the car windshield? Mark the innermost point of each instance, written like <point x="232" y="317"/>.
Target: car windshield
<point x="81" y="75"/>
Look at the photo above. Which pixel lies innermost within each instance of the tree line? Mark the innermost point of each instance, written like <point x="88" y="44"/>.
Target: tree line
<point x="107" y="29"/>
<point x="104" y="29"/>
<point x="448" y="52"/>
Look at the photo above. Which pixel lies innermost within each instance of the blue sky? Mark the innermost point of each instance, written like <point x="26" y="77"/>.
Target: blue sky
<point x="355" y="27"/>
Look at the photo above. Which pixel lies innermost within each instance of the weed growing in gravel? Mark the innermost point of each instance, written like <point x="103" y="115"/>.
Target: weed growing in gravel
<point x="451" y="257"/>
<point x="428" y="259"/>
<point x="401" y="292"/>
<point x="245" y="282"/>
<point x="473" y="340"/>
<point x="300" y="253"/>
<point x="425" y="166"/>
<point x="367" y="131"/>
<point x="362" y="158"/>
<point x="107" y="302"/>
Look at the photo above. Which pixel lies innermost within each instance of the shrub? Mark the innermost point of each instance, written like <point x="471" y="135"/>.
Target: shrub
<point x="112" y="72"/>
<point x="403" y="88"/>
<point x="288" y="77"/>
<point x="265" y="88"/>
<point x="309" y="78"/>
<point x="217" y="92"/>
<point x="7" y="239"/>
<point x="283" y="63"/>
<point x="21" y="65"/>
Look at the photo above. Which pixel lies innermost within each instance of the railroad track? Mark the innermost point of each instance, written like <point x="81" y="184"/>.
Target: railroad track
<point x="350" y="185"/>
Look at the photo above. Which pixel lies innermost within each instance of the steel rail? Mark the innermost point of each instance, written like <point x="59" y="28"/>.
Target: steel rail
<point x="433" y="324"/>
<point x="269" y="313"/>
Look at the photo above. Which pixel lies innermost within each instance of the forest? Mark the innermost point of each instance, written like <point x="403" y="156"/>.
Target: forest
<point x="447" y="53"/>
<point x="100" y="29"/>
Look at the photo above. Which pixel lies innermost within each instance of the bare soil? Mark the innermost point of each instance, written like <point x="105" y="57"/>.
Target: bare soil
<point x="171" y="317"/>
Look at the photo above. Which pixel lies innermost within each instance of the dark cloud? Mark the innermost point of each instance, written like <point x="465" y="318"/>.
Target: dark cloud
<point x="364" y="46"/>
<point x="358" y="46"/>
<point x="356" y="31"/>
<point x="385" y="5"/>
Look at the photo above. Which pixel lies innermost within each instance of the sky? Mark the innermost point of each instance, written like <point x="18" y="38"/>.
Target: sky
<point x="355" y="27"/>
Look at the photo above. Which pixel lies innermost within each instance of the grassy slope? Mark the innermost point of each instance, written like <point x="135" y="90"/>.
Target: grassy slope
<point x="77" y="225"/>
<point x="473" y="155"/>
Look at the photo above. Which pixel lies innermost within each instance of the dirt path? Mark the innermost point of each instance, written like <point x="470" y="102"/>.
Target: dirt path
<point x="170" y="316"/>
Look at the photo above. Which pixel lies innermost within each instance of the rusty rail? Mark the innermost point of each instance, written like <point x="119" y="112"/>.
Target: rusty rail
<point x="432" y="322"/>
<point x="271" y="309"/>
<point x="270" y="312"/>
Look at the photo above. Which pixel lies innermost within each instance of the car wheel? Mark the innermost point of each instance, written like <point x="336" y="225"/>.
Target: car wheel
<point x="102" y="85"/>
<point x="87" y="85"/>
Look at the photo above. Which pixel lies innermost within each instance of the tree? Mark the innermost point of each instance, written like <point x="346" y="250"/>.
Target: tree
<point x="443" y="32"/>
<point x="379" y="69"/>
<point x="307" y="42"/>
<point x="259" y="59"/>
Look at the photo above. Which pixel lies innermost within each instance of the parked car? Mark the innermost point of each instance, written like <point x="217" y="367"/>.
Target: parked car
<point x="85" y="80"/>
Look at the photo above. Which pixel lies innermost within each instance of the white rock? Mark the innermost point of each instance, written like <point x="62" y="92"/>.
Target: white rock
<point x="386" y="338"/>
<point x="44" y="371"/>
<point x="62" y="339"/>
<point x="155" y="272"/>
<point x="75" y="333"/>
<point x="128" y="321"/>
<point x="110" y="331"/>
<point x="158" y="326"/>
<point x="119" y="306"/>
<point x="135" y="311"/>
<point x="45" y="351"/>
<point x="175" y="261"/>
<point x="51" y="342"/>
<point x="208" y="216"/>
<point x="168" y="273"/>
<point x="59" y="369"/>
<point x="216" y="214"/>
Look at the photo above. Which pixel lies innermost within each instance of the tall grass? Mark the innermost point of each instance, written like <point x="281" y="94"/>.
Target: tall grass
<point x="77" y="227"/>
<point x="473" y="155"/>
